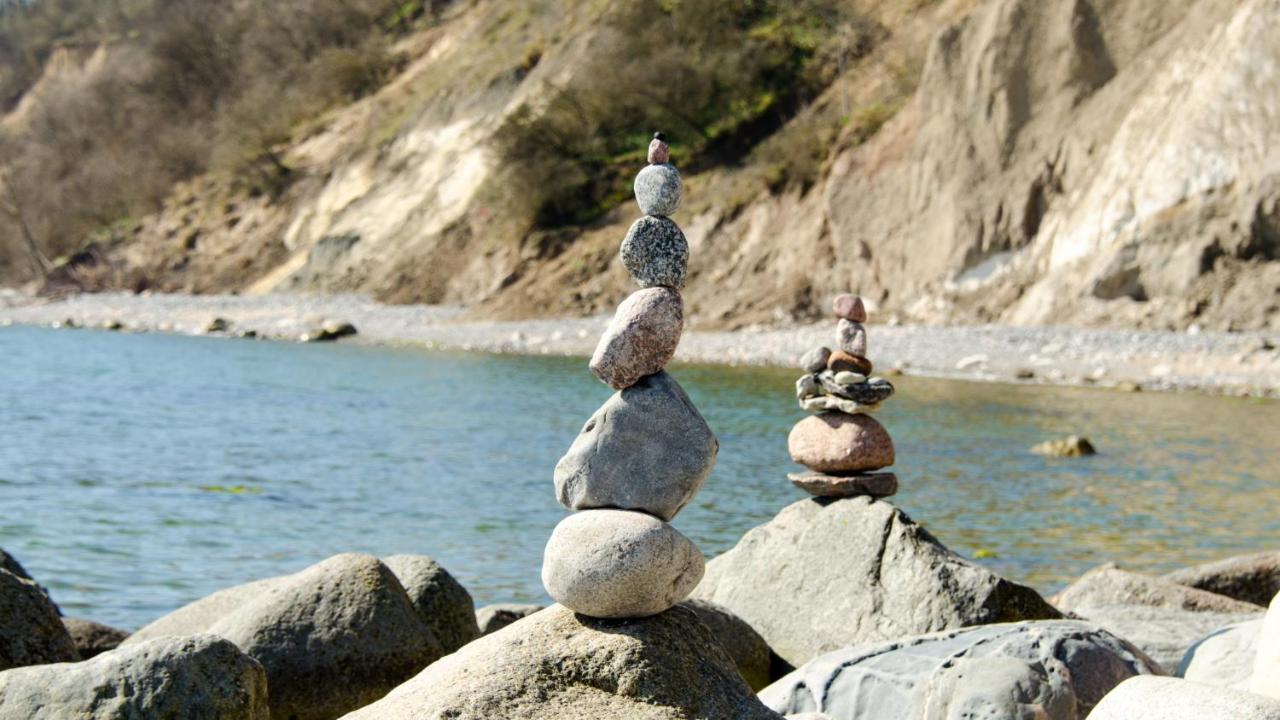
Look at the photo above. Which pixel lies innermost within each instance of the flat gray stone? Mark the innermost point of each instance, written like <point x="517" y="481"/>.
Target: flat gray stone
<point x="1223" y="657"/>
<point x="1253" y="578"/>
<point x="656" y="253"/>
<point x="619" y="564"/>
<point x="557" y="665"/>
<point x="826" y="574"/>
<point x="641" y="339"/>
<point x="193" y="678"/>
<point x="31" y="631"/>
<point x="647" y="448"/>
<point x="749" y="651"/>
<point x="1166" y="698"/>
<point x="92" y="639"/>
<point x="441" y="601"/>
<point x="851" y="337"/>
<point x="1110" y="585"/>
<point x="493" y="618"/>
<point x="1047" y="670"/>
<point x="876" y="485"/>
<point x="1164" y="634"/>
<point x="658" y="189"/>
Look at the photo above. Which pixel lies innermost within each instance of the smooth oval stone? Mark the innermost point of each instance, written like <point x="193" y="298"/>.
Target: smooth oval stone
<point x="656" y="253"/>
<point x="619" y="564"/>
<point x="841" y="361"/>
<point x="849" y="307"/>
<point x="641" y="339"/>
<point x="815" y="360"/>
<point x="835" y="442"/>
<point x="851" y="337"/>
<point x="808" y="386"/>
<point x="647" y="448"/>
<point x="658" y="190"/>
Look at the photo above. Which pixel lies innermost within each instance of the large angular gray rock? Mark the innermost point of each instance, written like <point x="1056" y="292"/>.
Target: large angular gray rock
<point x="556" y="665"/>
<point x="1164" y="634"/>
<point x="492" y="618"/>
<point x="31" y="632"/>
<point x="1166" y="698"/>
<point x="641" y="339"/>
<point x="619" y="564"/>
<point x="1109" y="585"/>
<point x="192" y="678"/>
<point x="92" y="639"/>
<point x="647" y="448"/>
<point x="332" y="638"/>
<point x="658" y="189"/>
<point x="1223" y="657"/>
<point x="1251" y="578"/>
<point x="442" y="602"/>
<point x="656" y="253"/>
<point x="749" y="651"/>
<point x="826" y="574"/>
<point x="1046" y="670"/>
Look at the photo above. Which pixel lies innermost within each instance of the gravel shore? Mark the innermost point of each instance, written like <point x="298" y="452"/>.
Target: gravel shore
<point x="1246" y="364"/>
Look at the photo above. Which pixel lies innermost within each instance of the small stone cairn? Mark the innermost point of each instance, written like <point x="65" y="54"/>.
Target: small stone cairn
<point x="841" y="444"/>
<point x="647" y="451"/>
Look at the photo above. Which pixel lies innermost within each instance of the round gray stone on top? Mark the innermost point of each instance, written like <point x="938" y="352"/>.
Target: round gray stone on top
<point x="658" y="189"/>
<point x="655" y="253"/>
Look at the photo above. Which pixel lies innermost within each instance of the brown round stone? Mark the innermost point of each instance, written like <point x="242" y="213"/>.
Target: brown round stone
<point x="841" y="361"/>
<point x="849" y="307"/>
<point x="834" y="442"/>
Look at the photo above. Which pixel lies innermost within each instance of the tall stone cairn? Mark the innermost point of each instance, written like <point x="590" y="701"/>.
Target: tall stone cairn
<point x="646" y="452"/>
<point x="841" y="444"/>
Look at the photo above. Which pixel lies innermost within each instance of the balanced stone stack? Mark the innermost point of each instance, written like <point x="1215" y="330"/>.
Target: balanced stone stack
<point x="841" y="444"/>
<point x="643" y="455"/>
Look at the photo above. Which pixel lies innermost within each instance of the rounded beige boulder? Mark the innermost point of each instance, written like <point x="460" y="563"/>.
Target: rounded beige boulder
<point x="619" y="564"/>
<point x="835" y="442"/>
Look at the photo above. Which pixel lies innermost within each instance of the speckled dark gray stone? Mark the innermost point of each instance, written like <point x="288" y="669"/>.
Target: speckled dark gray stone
<point x="866" y="393"/>
<point x="658" y="190"/>
<point x="656" y="253"/>
<point x="815" y="360"/>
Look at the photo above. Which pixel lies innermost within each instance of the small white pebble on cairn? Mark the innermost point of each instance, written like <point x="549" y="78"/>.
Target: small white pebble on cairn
<point x="647" y="451"/>
<point x="842" y="445"/>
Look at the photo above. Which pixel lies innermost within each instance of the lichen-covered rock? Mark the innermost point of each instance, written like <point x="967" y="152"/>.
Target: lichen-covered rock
<point x="31" y="632"/>
<point x="647" y="448"/>
<point x="1109" y="585"/>
<point x="619" y="564"/>
<point x="827" y="574"/>
<point x="641" y="339"/>
<point x="1047" y="670"/>
<point x="1253" y="578"/>
<point x="835" y="442"/>
<point x="1166" y="698"/>
<point x="658" y="190"/>
<point x="656" y="253"/>
<point x="1223" y="657"/>
<point x="1164" y="634"/>
<point x="442" y="602"/>
<point x="557" y="665"/>
<point x="192" y="678"/>
<point x="749" y="651"/>
<point x="92" y="639"/>
<point x="492" y="618"/>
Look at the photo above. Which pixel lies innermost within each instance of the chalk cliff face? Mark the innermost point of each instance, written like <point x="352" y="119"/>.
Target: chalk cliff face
<point x="1093" y="162"/>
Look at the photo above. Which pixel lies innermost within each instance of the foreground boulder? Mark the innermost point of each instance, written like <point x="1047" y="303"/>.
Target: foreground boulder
<point x="1164" y="698"/>
<point x="31" y="632"/>
<point x="556" y="665"/>
<point x="332" y="638"/>
<point x="492" y="618"/>
<point x="92" y="639"/>
<point x="749" y="652"/>
<point x="1249" y="578"/>
<point x="826" y="574"/>
<point x="1224" y="657"/>
<point x="193" y="678"/>
<point x="1164" y="634"/>
<point x="1047" y="670"/>
<point x="1109" y="585"/>
<point x="443" y="604"/>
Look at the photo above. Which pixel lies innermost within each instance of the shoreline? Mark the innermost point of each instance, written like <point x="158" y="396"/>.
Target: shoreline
<point x="1236" y="364"/>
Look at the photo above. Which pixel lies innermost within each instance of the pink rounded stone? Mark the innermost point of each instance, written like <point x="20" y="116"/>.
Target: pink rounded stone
<point x="849" y="307"/>
<point x="641" y="339"/>
<point x="834" y="442"/>
<point x="659" y="152"/>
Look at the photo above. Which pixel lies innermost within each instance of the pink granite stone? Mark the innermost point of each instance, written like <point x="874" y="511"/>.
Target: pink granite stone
<point x="641" y="338"/>
<point x="659" y="151"/>
<point x="834" y="442"/>
<point x="849" y="307"/>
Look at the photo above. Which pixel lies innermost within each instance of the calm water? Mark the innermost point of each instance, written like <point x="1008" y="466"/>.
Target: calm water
<point x="140" y="472"/>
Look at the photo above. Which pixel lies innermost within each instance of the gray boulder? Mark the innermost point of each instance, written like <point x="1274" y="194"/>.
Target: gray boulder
<point x="1109" y="585"/>
<point x="31" y="632"/>
<point x="749" y="651"/>
<point x="492" y="618"/>
<point x="92" y="639"/>
<point x="1164" y="634"/>
<point x="1223" y="657"/>
<point x="1164" y="698"/>
<point x="1251" y="578"/>
<point x="1047" y="670"/>
<point x="442" y="602"/>
<point x="332" y="638"/>
<point x="647" y="448"/>
<point x="192" y="678"/>
<point x="556" y="665"/>
<point x="826" y="574"/>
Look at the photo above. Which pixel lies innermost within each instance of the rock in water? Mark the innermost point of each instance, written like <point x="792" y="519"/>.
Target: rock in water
<point x="851" y="337"/>
<point x="92" y="639"/>
<point x="31" y="632"/>
<point x="493" y="618"/>
<point x="1073" y="446"/>
<point x="1223" y="657"/>
<point x="748" y="650"/>
<point x="656" y="253"/>
<point x="1266" y="665"/>
<point x="1251" y="578"/>
<point x="836" y="442"/>
<point x="1047" y="670"/>
<point x="641" y="339"/>
<point x="849" y="307"/>
<point x="619" y="564"/>
<point x="1109" y="585"/>
<point x="560" y="666"/>
<point x="658" y="190"/>
<point x="826" y="574"/>
<point x="647" y="448"/>
<point x="876" y="485"/>
<point x="1165" y="698"/>
<point x="442" y="603"/>
<point x="1164" y="634"/>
